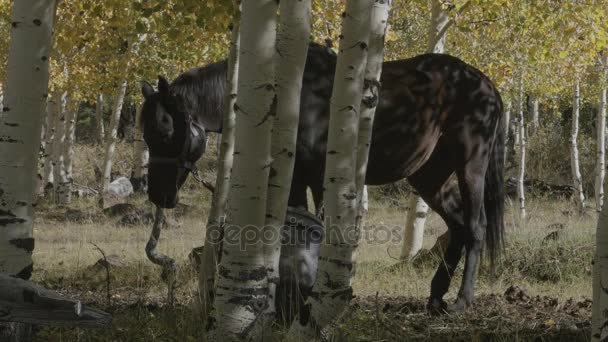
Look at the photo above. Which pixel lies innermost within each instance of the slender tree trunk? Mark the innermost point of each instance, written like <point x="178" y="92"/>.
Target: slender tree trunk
<point x="141" y="156"/>
<point x="599" y="321"/>
<point x="413" y="237"/>
<point x="112" y="136"/>
<point x="333" y="288"/>
<point x="65" y="186"/>
<point x="49" y="137"/>
<point x="292" y="48"/>
<point x="242" y="287"/>
<point x="535" y="115"/>
<point x="418" y="209"/>
<point x="521" y="129"/>
<point x="437" y="35"/>
<point x="99" y="126"/>
<point x="216" y="218"/>
<point x="600" y="170"/>
<point x="507" y="124"/>
<point x="370" y="99"/>
<point x="579" y="196"/>
<point x="59" y="172"/>
<point x="23" y="113"/>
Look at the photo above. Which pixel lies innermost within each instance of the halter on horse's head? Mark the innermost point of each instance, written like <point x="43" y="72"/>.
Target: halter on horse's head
<point x="175" y="141"/>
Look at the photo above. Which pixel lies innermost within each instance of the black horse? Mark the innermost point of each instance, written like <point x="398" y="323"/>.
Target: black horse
<point x="437" y="117"/>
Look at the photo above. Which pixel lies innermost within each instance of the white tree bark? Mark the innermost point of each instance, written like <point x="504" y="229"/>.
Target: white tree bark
<point x="370" y="99"/>
<point x="216" y="217"/>
<point x="112" y="136"/>
<point x="64" y="185"/>
<point x="140" y="155"/>
<point x="600" y="170"/>
<point x="599" y="321"/>
<point x="535" y="114"/>
<point x="507" y="123"/>
<point x="23" y="113"/>
<point x="577" y="179"/>
<point x="242" y="285"/>
<point x="414" y="236"/>
<point x="333" y="288"/>
<point x="59" y="171"/>
<point x="437" y="30"/>
<point x="99" y="126"/>
<point x="292" y="48"/>
<point x="521" y="129"/>
<point x="49" y="137"/>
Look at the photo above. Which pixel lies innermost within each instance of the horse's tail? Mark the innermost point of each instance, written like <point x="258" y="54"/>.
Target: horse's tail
<point x="494" y="190"/>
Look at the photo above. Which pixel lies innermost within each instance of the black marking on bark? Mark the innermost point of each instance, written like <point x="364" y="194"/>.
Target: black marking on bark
<point x="349" y="196"/>
<point x="272" y="111"/>
<point x="9" y="140"/>
<point x="21" y="203"/>
<point x="44" y="58"/>
<point x="6" y="109"/>
<point x="363" y="45"/>
<point x="6" y="222"/>
<point x="272" y="173"/>
<point x="420" y="214"/>
<point x="25" y="243"/>
<point x="26" y="272"/>
<point x="7" y="213"/>
<point x="37" y="22"/>
<point x="348" y="108"/>
<point x="332" y="152"/>
<point x="15" y="24"/>
<point x="11" y="124"/>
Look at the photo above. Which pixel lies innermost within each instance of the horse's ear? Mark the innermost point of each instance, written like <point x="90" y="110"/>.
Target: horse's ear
<point x="163" y="85"/>
<point x="146" y="89"/>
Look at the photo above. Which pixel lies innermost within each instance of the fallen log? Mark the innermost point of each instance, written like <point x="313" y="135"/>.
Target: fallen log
<point x="22" y="301"/>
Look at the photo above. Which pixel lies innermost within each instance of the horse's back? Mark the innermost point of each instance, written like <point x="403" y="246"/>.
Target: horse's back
<point x="423" y="99"/>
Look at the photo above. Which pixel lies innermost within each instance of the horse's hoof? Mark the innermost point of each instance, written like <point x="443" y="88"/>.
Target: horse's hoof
<point x="458" y="306"/>
<point x="436" y="306"/>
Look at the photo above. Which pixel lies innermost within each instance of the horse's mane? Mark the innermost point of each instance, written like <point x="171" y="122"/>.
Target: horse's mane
<point x="203" y="89"/>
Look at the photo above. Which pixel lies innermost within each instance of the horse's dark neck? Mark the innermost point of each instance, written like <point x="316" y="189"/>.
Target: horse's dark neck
<point x="203" y="91"/>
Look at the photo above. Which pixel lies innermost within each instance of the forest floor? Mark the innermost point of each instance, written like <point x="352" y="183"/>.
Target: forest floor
<point x="541" y="291"/>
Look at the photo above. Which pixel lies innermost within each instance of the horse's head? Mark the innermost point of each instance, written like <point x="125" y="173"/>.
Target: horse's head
<point x="174" y="140"/>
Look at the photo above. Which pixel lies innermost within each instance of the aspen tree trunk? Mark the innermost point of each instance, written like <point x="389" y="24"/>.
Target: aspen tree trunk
<point x="507" y="124"/>
<point x="535" y="115"/>
<point x="292" y="48"/>
<point x="99" y="126"/>
<point x="242" y="285"/>
<point x="333" y="288"/>
<point x="64" y="187"/>
<point x="111" y="136"/>
<point x="418" y="209"/>
<point x="579" y="196"/>
<point x="370" y="99"/>
<point x="216" y="218"/>
<point x="49" y="137"/>
<point x="600" y="170"/>
<point x="23" y="113"/>
<point x="141" y="156"/>
<point x="414" y="232"/>
<point x="521" y="129"/>
<point x="59" y="171"/>
<point x="599" y="320"/>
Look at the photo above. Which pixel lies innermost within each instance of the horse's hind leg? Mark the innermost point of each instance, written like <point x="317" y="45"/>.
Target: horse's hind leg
<point x="432" y="182"/>
<point x="471" y="180"/>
